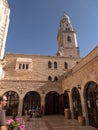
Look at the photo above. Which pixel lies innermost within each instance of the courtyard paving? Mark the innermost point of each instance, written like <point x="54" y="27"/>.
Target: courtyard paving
<point x="55" y="123"/>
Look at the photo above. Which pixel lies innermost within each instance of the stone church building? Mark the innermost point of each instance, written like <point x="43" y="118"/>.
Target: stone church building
<point x="54" y="83"/>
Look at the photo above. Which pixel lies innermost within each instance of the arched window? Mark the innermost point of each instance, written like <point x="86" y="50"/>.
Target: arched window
<point x="55" y="78"/>
<point x="55" y="65"/>
<point x="13" y="102"/>
<point x="92" y="103"/>
<point x="76" y="103"/>
<point x="49" y="78"/>
<point x="66" y="65"/>
<point x="69" y="39"/>
<point x="49" y="64"/>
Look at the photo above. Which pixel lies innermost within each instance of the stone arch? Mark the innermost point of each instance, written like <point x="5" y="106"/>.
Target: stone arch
<point x="30" y="100"/>
<point x="63" y="102"/>
<point x="12" y="103"/>
<point x="91" y="99"/>
<point x="52" y="103"/>
<point x="76" y="100"/>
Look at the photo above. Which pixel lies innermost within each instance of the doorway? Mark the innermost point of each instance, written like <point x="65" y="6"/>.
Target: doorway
<point x="31" y="100"/>
<point x="52" y="103"/>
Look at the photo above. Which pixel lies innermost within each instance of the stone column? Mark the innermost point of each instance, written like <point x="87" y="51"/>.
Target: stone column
<point x="20" y="106"/>
<point x="43" y="103"/>
<point x="71" y="105"/>
<point x="84" y="109"/>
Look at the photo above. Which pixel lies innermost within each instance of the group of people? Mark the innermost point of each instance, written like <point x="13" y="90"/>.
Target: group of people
<point x="35" y="111"/>
<point x="3" y="101"/>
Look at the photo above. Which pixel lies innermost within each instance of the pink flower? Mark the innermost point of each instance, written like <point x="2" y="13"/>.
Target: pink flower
<point x="18" y="124"/>
<point x="8" y="122"/>
<point x="22" y="127"/>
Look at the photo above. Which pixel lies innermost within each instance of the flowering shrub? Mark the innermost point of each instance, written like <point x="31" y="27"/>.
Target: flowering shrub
<point x="18" y="124"/>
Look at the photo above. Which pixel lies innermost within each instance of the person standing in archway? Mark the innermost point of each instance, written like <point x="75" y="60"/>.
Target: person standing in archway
<point x="3" y="101"/>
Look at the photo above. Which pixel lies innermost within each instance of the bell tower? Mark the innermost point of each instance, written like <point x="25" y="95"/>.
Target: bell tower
<point x="67" y="41"/>
<point x="4" y="23"/>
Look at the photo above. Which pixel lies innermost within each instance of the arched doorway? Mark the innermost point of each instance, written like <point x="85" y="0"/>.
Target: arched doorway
<point x="31" y="99"/>
<point x="76" y="103"/>
<point x="52" y="103"/>
<point x="12" y="104"/>
<point x="92" y="103"/>
<point x="63" y="102"/>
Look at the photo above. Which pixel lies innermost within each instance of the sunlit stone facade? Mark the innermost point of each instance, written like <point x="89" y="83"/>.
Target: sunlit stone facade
<point x="54" y="83"/>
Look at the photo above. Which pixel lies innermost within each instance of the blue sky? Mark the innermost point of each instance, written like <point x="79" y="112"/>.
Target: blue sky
<point x="34" y="25"/>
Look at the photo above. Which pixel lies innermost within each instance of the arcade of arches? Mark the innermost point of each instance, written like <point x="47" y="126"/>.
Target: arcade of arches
<point x="23" y="78"/>
<point x="55" y="103"/>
